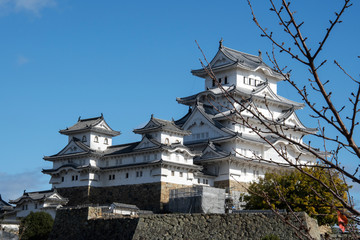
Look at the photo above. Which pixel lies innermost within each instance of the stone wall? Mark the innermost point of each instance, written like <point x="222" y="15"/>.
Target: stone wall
<point x="75" y="224"/>
<point x="231" y="185"/>
<point x="147" y="196"/>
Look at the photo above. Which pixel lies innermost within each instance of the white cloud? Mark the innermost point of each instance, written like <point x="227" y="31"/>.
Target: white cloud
<point x="32" y="6"/>
<point x="13" y="185"/>
<point x="22" y="60"/>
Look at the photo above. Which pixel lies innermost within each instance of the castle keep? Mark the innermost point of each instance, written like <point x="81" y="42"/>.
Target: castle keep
<point x="208" y="146"/>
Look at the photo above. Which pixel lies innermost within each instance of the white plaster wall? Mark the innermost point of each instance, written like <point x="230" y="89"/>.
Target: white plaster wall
<point x="80" y="137"/>
<point x="231" y="77"/>
<point x="203" y="181"/>
<point x="173" y="138"/>
<point x="173" y="175"/>
<point x="100" y="145"/>
<point x="31" y="208"/>
<point x="135" y="176"/>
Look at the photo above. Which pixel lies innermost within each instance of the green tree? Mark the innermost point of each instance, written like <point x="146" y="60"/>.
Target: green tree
<point x="298" y="191"/>
<point x="36" y="226"/>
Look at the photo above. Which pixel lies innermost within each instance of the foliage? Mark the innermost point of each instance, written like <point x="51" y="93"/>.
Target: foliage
<point x="36" y="226"/>
<point x="299" y="192"/>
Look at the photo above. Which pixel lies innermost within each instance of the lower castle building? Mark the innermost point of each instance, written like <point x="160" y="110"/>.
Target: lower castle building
<point x="209" y="146"/>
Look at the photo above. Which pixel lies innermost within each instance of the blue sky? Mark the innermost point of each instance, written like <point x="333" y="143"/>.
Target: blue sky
<point x="65" y="59"/>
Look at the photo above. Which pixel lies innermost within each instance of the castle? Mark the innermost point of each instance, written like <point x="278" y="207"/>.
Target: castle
<point x="208" y="146"/>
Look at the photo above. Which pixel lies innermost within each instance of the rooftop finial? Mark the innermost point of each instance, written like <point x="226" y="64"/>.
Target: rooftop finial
<point x="221" y="43"/>
<point x="79" y="118"/>
<point x="152" y="115"/>
<point x="260" y="53"/>
<point x="102" y="116"/>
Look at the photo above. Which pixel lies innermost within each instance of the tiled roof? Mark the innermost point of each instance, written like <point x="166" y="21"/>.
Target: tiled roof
<point x="156" y="124"/>
<point x="89" y="124"/>
<point x="130" y="148"/>
<point x="35" y="196"/>
<point x="3" y="203"/>
<point x="238" y="59"/>
<point x="191" y="100"/>
<point x="126" y="206"/>
<point x="86" y="149"/>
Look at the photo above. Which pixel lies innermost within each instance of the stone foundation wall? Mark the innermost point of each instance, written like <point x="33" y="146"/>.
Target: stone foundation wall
<point x="74" y="224"/>
<point x="147" y="196"/>
<point x="232" y="185"/>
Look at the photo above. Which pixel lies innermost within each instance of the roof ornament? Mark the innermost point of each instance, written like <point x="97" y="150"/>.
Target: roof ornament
<point x="260" y="54"/>
<point x="221" y="43"/>
<point x="102" y="116"/>
<point x="79" y="118"/>
<point x="152" y="116"/>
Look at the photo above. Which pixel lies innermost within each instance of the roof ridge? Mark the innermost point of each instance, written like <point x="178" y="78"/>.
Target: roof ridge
<point x="243" y="53"/>
<point x="90" y="119"/>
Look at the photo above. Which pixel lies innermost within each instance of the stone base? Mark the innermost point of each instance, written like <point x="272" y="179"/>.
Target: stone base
<point x="230" y="185"/>
<point x="147" y="196"/>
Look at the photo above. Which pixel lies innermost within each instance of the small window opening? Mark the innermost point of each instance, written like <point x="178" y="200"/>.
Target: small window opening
<point x="62" y="179"/>
<point x="226" y="80"/>
<point x="127" y="175"/>
<point x="96" y="139"/>
<point x="106" y="141"/>
<point x="84" y="139"/>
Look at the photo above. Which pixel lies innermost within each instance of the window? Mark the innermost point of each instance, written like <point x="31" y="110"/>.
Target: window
<point x="72" y="178"/>
<point x="219" y="80"/>
<point x="139" y="174"/>
<point x="83" y="139"/>
<point x="96" y="139"/>
<point x="106" y="141"/>
<point x="203" y="181"/>
<point x="76" y="177"/>
<point x="213" y="83"/>
<point x="167" y="142"/>
<point x="109" y="177"/>
<point x="172" y="173"/>
<point x="246" y="81"/>
<point x="62" y="179"/>
<point x="118" y="161"/>
<point x="127" y="175"/>
<point x="36" y="206"/>
<point x="207" y="181"/>
<point x="226" y="80"/>
<point x="181" y="174"/>
<point x="199" y="180"/>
